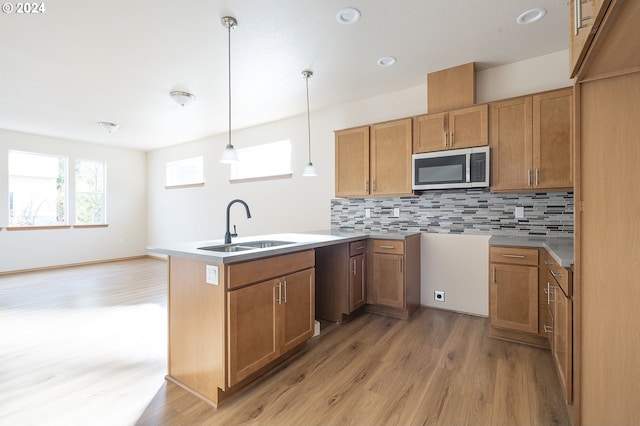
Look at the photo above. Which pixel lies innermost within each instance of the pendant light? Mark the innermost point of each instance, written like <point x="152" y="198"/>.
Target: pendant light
<point x="229" y="154"/>
<point x="309" y="170"/>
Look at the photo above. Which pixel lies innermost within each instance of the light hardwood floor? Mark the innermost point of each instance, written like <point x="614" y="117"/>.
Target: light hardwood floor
<point x="87" y="345"/>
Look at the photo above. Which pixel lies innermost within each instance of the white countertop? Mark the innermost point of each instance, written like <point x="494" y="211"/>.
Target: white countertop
<point x="299" y="241"/>
<point x="560" y="248"/>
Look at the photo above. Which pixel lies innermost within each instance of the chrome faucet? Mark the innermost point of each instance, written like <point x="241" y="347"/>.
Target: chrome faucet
<point x="228" y="234"/>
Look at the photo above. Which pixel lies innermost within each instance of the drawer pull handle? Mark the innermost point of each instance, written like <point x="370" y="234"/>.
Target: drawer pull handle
<point x="388" y="247"/>
<point x="546" y="262"/>
<point x="360" y="248"/>
<point x="548" y="329"/>
<point x="514" y="256"/>
<point x="556" y="275"/>
<point x="285" y="291"/>
<point x="354" y="267"/>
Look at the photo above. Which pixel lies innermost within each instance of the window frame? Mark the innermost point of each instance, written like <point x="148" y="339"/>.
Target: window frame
<point x="261" y="155"/>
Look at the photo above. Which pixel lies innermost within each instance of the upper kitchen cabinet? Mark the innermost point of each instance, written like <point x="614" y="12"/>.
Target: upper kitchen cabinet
<point x="461" y="128"/>
<point x="585" y="17"/>
<point x="374" y="160"/>
<point x="352" y="162"/>
<point x="531" y="142"/>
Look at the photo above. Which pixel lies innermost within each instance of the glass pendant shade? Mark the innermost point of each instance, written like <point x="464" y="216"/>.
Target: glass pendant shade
<point x="229" y="155"/>
<point x="309" y="170"/>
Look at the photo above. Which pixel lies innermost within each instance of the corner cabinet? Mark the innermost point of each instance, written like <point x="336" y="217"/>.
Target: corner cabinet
<point x="531" y="142"/>
<point x="393" y="287"/>
<point x="585" y="17"/>
<point x="229" y="323"/>
<point x="374" y="160"/>
<point x="460" y="128"/>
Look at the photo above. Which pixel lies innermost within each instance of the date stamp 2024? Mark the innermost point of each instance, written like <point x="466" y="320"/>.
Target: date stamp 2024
<point x="23" y="8"/>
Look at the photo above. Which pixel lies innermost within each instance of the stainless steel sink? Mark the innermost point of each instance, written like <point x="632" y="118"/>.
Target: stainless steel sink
<point x="265" y="243"/>
<point x="250" y="245"/>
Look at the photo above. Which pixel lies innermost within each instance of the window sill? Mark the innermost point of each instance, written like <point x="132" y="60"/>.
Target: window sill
<point x="33" y="228"/>
<point x="95" y="225"/>
<point x="261" y="178"/>
<point x="189" y="185"/>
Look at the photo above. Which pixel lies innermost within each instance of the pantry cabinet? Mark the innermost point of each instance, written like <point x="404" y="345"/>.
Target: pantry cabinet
<point x="531" y="142"/>
<point x="460" y="128"/>
<point x="374" y="160"/>
<point x="393" y="286"/>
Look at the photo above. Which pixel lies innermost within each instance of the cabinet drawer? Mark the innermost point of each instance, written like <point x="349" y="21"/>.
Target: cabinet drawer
<point x="514" y="255"/>
<point x="561" y="275"/>
<point x="239" y="274"/>
<point x="388" y="246"/>
<point x="357" y="247"/>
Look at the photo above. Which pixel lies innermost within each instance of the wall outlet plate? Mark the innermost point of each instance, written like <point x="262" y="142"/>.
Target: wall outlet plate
<point x="212" y="274"/>
<point x="367" y="213"/>
<point x="519" y="212"/>
<point x="396" y="212"/>
<point x="438" y="296"/>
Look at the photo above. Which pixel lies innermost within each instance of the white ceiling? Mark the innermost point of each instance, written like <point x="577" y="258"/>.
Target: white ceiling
<point x="86" y="61"/>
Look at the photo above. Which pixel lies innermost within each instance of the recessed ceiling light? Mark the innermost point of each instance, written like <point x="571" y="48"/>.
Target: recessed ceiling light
<point x="531" y="16"/>
<point x="348" y="15"/>
<point x="386" y="61"/>
<point x="109" y="127"/>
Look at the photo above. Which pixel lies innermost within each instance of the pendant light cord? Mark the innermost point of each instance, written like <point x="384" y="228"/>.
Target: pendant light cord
<point x="229" y="25"/>
<point x="308" y="119"/>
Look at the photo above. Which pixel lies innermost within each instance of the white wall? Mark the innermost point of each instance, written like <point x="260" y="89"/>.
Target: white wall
<point x="459" y="266"/>
<point x="126" y="208"/>
<point x="303" y="204"/>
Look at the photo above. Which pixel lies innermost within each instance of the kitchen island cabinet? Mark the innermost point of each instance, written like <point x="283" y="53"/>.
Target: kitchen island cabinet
<point x="228" y="323"/>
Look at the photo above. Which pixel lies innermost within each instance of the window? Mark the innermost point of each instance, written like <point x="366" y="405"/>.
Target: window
<point x="90" y="192"/>
<point x="185" y="172"/>
<point x="263" y="161"/>
<point x="37" y="189"/>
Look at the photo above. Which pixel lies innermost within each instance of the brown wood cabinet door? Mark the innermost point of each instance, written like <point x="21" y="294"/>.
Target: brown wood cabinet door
<point x="391" y="158"/>
<point x="511" y="144"/>
<point x="352" y="162"/>
<point x="468" y="127"/>
<point x="580" y="38"/>
<point x="552" y="140"/>
<point x="388" y="280"/>
<point x="252" y="322"/>
<point x="357" y="281"/>
<point x="430" y="132"/>
<point x="513" y="297"/>
<point x="563" y="341"/>
<point x="297" y="309"/>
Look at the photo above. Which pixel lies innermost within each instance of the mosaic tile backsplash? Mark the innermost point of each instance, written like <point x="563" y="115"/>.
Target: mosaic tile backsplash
<point x="471" y="211"/>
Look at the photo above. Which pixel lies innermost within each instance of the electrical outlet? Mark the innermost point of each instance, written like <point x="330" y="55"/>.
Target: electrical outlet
<point x="396" y="212"/>
<point x="519" y="212"/>
<point x="438" y="296"/>
<point x="367" y="213"/>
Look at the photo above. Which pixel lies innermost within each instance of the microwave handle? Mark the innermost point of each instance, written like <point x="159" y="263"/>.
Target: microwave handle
<point x="468" y="160"/>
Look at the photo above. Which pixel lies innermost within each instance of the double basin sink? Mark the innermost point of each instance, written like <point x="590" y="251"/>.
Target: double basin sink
<point x="249" y="245"/>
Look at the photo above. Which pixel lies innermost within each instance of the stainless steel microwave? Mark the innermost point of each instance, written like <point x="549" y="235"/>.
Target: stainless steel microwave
<point x="456" y="168"/>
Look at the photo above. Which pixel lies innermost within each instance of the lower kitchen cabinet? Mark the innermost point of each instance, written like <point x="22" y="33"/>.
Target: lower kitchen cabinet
<point x="393" y="287"/>
<point x="560" y="324"/>
<point x="267" y="320"/>
<point x="340" y="279"/>
<point x="228" y="323"/>
<point x="514" y="310"/>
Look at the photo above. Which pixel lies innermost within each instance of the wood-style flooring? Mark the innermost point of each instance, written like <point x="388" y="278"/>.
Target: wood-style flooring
<point x="87" y="345"/>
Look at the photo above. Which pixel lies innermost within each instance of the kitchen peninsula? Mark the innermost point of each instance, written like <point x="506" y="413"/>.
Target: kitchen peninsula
<point x="237" y="310"/>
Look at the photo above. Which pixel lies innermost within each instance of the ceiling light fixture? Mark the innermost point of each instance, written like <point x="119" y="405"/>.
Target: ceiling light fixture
<point x="531" y="16"/>
<point x="309" y="170"/>
<point x="182" y="98"/>
<point x="109" y="127"/>
<point x="348" y="15"/>
<point x="229" y="155"/>
<point x="386" y="61"/>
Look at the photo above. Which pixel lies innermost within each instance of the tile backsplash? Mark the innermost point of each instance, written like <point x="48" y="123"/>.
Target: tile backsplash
<point x="471" y="211"/>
